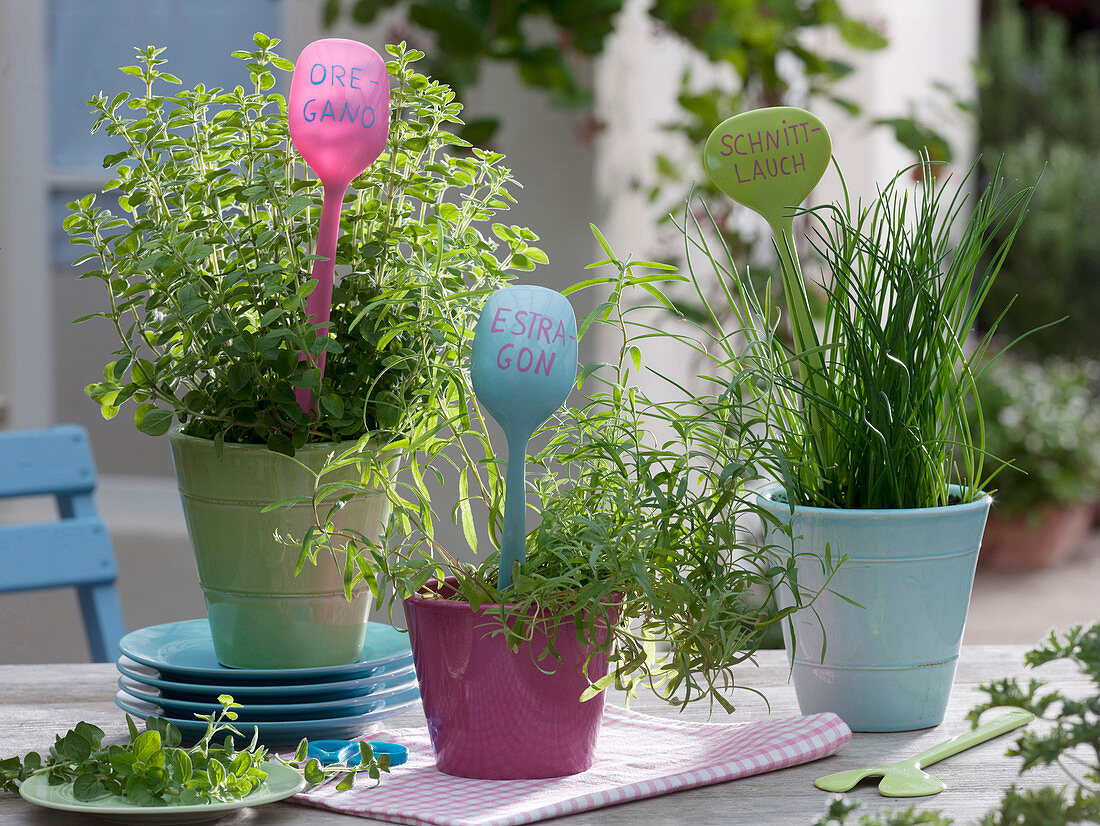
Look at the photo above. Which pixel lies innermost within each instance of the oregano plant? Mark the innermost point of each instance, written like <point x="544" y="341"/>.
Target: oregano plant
<point x="206" y="259"/>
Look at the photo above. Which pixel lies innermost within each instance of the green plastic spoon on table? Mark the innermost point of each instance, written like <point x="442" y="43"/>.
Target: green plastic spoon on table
<point x="906" y="778"/>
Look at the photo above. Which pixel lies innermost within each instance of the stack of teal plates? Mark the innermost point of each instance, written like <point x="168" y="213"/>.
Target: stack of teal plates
<point x="171" y="671"/>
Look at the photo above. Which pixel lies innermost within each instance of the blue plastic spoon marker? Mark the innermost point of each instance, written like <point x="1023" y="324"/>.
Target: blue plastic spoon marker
<point x="347" y="752"/>
<point x="523" y="365"/>
<point x="769" y="160"/>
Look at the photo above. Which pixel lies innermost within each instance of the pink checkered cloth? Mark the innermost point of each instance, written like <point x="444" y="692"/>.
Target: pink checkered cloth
<point x="638" y="756"/>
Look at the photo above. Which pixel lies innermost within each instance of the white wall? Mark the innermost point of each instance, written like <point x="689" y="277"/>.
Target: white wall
<point x="26" y="339"/>
<point x="637" y="80"/>
<point x="931" y="41"/>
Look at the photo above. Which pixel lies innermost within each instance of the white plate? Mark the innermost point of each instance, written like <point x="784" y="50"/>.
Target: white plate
<point x="281" y="783"/>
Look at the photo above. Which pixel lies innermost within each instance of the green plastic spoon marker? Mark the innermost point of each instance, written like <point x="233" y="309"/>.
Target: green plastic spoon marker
<point x="906" y="778"/>
<point x="769" y="160"/>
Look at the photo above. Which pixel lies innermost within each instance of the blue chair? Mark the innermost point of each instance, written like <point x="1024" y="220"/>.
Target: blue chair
<point x="73" y="551"/>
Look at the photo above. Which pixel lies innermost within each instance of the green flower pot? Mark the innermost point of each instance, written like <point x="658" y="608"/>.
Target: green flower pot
<point x="262" y="615"/>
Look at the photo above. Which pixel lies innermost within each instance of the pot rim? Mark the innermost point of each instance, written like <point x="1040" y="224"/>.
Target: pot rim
<point x="177" y="434"/>
<point x="456" y="604"/>
<point x="764" y="498"/>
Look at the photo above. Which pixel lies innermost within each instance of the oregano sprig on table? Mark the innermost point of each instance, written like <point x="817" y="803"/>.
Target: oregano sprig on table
<point x="152" y="769"/>
<point x="1072" y="740"/>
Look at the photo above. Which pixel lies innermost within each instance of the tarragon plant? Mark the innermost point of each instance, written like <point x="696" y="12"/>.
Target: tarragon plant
<point x="642" y="505"/>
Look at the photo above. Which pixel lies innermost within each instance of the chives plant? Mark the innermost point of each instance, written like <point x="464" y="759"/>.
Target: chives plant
<point x="205" y="260"/>
<point x="886" y="424"/>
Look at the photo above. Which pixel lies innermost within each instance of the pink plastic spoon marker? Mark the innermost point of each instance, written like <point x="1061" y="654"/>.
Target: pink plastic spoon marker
<point x="339" y="118"/>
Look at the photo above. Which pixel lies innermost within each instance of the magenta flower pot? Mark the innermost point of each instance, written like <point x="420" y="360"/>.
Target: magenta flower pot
<point x="502" y="715"/>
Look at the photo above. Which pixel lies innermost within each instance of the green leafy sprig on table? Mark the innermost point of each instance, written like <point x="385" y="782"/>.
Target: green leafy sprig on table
<point x="152" y="769"/>
<point x="1072" y="741"/>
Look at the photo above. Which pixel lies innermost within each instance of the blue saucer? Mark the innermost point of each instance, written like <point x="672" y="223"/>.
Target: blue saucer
<point x="387" y="675"/>
<point x="184" y="651"/>
<point x="277" y="733"/>
<point x="398" y="693"/>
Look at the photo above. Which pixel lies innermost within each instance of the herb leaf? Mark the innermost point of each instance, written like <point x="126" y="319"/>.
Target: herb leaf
<point x="152" y="770"/>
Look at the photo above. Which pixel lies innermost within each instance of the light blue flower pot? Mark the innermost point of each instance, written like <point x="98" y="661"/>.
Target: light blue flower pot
<point x="888" y="665"/>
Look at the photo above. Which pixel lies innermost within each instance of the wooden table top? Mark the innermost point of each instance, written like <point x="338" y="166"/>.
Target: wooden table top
<point x="37" y="701"/>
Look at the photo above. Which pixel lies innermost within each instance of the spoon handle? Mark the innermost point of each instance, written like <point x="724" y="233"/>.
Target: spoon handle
<point x="986" y="731"/>
<point x="514" y="538"/>
<point x="319" y="303"/>
<point x="811" y="360"/>
<point x="802" y="321"/>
